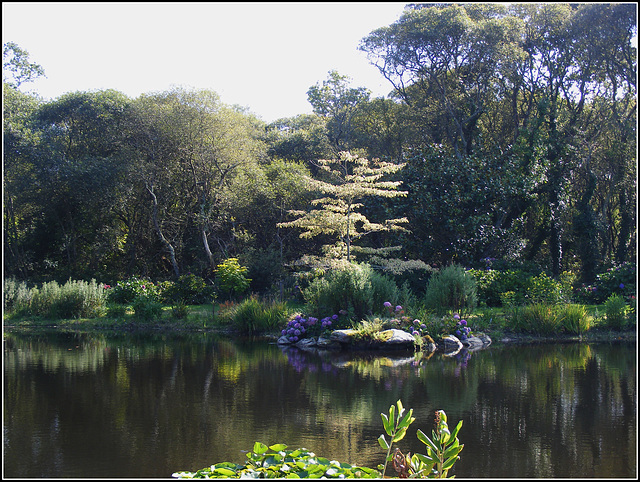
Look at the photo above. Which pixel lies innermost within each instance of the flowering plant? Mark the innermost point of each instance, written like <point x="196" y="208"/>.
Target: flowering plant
<point x="463" y="332"/>
<point x="300" y="327"/>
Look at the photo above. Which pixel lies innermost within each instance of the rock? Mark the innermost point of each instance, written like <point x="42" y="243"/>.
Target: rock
<point x="283" y="340"/>
<point x="450" y="344"/>
<point x="306" y="343"/>
<point x="397" y="337"/>
<point x="473" y="343"/>
<point x="326" y="342"/>
<point x="486" y="341"/>
<point x="392" y="338"/>
<point x="342" y="336"/>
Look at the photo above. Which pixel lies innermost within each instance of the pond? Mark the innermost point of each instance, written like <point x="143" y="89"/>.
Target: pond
<point x="146" y="405"/>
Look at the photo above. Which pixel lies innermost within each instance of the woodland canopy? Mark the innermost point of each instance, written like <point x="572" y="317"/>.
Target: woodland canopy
<point x="515" y="126"/>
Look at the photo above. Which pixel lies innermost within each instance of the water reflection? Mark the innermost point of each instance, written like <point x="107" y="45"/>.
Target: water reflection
<point x="140" y="405"/>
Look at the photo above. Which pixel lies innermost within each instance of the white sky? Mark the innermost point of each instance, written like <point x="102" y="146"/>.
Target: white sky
<point x="263" y="56"/>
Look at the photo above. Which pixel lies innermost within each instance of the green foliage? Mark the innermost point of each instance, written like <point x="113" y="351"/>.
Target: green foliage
<point x="574" y="319"/>
<point x="252" y="315"/>
<point x="355" y="288"/>
<point x="349" y="179"/>
<point x="443" y="448"/>
<point x="451" y="289"/>
<point x="230" y="277"/>
<point x="543" y="289"/>
<point x="147" y="307"/>
<point x="275" y="461"/>
<point x="189" y="289"/>
<point x="619" y="279"/>
<point x="536" y="318"/>
<point x="74" y="299"/>
<point x="180" y="310"/>
<point x="125" y="291"/>
<point x="616" y="312"/>
<point x="492" y="284"/>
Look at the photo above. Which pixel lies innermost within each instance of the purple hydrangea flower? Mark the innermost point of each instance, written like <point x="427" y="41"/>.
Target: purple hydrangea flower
<point x="387" y="304"/>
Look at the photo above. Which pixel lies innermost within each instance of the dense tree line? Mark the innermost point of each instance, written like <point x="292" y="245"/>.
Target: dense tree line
<point x="515" y="126"/>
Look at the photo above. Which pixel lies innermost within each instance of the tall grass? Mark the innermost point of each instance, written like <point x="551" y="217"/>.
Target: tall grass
<point x="74" y="299"/>
<point x="252" y="316"/>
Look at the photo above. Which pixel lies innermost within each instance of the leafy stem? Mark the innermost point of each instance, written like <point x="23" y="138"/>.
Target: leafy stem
<point x="395" y="425"/>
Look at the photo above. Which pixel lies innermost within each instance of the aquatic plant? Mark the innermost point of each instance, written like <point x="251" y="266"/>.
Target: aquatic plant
<point x="276" y="461"/>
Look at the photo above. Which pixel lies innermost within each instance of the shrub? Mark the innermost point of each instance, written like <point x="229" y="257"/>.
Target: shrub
<point x="492" y="283"/>
<point x="16" y="296"/>
<point x="616" y="312"/>
<point x="180" y="310"/>
<point x="128" y="290"/>
<point x="356" y="288"/>
<point x="619" y="279"/>
<point x="451" y="289"/>
<point x="147" y="308"/>
<point x="189" y="289"/>
<point x="231" y="277"/>
<point x="543" y="289"/>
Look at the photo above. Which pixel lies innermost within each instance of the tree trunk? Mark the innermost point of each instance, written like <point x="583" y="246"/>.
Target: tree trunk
<point x="165" y="241"/>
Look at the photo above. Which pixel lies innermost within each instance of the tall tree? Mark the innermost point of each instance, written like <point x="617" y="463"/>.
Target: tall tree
<point x="338" y="103"/>
<point x="17" y="69"/>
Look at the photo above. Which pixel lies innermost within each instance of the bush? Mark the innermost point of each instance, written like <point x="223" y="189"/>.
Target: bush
<point x="147" y="308"/>
<point x="491" y="284"/>
<point x="356" y="288"/>
<point x="231" y="277"/>
<point x="616" y="312"/>
<point x="543" y="289"/>
<point x="619" y="279"/>
<point x="128" y="290"/>
<point x="189" y="289"/>
<point x="451" y="289"/>
<point x="16" y="296"/>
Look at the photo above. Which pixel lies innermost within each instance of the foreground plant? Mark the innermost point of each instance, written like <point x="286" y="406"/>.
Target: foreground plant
<point x="443" y="448"/>
<point x="275" y="461"/>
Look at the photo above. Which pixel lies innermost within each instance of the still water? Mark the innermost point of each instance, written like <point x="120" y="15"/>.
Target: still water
<point x="133" y="405"/>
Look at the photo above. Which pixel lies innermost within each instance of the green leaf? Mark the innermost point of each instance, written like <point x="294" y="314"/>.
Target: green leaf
<point x="449" y="462"/>
<point x="400" y="409"/>
<point x="407" y="420"/>
<point x="386" y="424"/>
<point x="277" y="447"/>
<point x="399" y="435"/>
<point x="425" y="459"/>
<point x="383" y="442"/>
<point x="456" y="430"/>
<point x="427" y="441"/>
<point x="224" y="471"/>
<point x="259" y="448"/>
